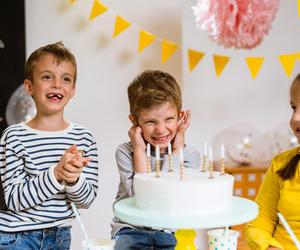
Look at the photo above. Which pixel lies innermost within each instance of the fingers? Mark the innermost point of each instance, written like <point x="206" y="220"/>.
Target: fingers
<point x="134" y="131"/>
<point x="71" y="165"/>
<point x="80" y="162"/>
<point x="72" y="149"/>
<point x="136" y="137"/>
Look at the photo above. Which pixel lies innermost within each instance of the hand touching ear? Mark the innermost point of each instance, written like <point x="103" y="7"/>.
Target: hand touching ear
<point x="138" y="144"/>
<point x="135" y="134"/>
<point x="184" y="123"/>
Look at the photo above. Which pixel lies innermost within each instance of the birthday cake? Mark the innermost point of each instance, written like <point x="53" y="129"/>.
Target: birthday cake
<point x="196" y="193"/>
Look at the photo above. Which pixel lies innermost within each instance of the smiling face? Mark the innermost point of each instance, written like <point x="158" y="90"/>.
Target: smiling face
<point x="52" y="85"/>
<point x="159" y="124"/>
<point x="295" y="105"/>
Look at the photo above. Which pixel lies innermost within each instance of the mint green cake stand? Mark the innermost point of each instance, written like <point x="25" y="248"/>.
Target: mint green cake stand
<point x="241" y="211"/>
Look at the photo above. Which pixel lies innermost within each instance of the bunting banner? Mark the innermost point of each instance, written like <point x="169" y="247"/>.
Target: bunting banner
<point x="194" y="57"/>
<point x="288" y="63"/>
<point x="254" y="65"/>
<point x="120" y="25"/>
<point x="145" y="39"/>
<point x="220" y="62"/>
<point x="167" y="49"/>
<point x="97" y="9"/>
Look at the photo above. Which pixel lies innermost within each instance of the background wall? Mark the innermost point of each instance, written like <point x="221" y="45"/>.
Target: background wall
<point x="106" y="66"/>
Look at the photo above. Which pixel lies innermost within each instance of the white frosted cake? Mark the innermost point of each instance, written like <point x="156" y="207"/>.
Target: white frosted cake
<point x="196" y="193"/>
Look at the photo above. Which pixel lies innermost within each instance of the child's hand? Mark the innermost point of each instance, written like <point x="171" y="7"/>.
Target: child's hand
<point x="179" y="140"/>
<point x="139" y="146"/>
<point x="136" y="138"/>
<point x="70" y="166"/>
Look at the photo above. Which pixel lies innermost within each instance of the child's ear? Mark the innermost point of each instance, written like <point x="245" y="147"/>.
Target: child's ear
<point x="28" y="87"/>
<point x="132" y="119"/>
<point x="73" y="92"/>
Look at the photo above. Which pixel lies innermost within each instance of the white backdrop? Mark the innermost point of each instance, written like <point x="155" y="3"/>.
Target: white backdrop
<point x="106" y="66"/>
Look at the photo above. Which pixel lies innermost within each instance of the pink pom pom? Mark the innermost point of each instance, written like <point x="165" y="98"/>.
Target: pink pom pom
<point x="236" y="23"/>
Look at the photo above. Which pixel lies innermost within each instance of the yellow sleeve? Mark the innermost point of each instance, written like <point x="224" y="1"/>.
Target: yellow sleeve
<point x="259" y="232"/>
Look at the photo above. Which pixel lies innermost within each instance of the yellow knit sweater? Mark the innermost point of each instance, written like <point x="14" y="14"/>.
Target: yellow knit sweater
<point x="276" y="195"/>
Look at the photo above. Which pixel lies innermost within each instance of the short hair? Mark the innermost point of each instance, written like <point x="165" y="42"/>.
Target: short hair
<point x="296" y="80"/>
<point x="152" y="88"/>
<point x="58" y="50"/>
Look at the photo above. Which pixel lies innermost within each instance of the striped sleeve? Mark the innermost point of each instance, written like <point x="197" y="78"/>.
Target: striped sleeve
<point x="84" y="192"/>
<point x="22" y="191"/>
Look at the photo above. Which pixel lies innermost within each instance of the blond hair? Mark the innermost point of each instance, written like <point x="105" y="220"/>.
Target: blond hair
<point x="58" y="50"/>
<point x="152" y="88"/>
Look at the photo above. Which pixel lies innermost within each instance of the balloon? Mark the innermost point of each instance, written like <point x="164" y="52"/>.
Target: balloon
<point x="20" y="107"/>
<point x="238" y="141"/>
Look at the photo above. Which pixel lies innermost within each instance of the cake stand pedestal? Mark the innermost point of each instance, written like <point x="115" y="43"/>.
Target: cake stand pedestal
<point x="241" y="211"/>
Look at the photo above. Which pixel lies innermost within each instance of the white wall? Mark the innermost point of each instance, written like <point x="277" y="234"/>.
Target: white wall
<point x="106" y="66"/>
<point x="234" y="97"/>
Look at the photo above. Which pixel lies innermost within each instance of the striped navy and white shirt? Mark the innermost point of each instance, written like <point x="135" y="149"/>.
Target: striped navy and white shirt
<point x="33" y="196"/>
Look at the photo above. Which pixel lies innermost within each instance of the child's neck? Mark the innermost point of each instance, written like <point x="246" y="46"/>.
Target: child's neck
<point x="49" y="123"/>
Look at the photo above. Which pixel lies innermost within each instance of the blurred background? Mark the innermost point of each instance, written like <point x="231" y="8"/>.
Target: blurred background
<point x="249" y="116"/>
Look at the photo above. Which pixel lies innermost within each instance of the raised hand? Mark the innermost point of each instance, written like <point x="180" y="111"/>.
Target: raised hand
<point x="136" y="138"/>
<point x="70" y="166"/>
<point x="139" y="146"/>
<point x="179" y="139"/>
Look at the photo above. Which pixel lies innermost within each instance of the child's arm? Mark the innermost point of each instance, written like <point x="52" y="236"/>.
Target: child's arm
<point x="139" y="149"/>
<point x="22" y="190"/>
<point x="84" y="191"/>
<point x="179" y="140"/>
<point x="125" y="166"/>
<point x="259" y="232"/>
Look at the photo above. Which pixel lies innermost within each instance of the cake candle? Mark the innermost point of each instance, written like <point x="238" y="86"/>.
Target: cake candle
<point x="157" y="157"/>
<point x="204" y="158"/>
<point x="170" y="157"/>
<point x="222" y="159"/>
<point x="210" y="159"/>
<point x="222" y="151"/>
<point x="148" y="158"/>
<point x="181" y="163"/>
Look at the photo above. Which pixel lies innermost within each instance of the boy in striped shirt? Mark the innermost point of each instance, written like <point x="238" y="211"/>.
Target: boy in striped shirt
<point x="41" y="167"/>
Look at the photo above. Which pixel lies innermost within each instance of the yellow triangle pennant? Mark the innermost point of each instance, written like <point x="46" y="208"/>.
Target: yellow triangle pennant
<point x="194" y="58"/>
<point x="254" y="65"/>
<point x="299" y="8"/>
<point x="145" y="40"/>
<point x="288" y="63"/>
<point x="167" y="49"/>
<point x="120" y="25"/>
<point x="220" y="63"/>
<point x="298" y="56"/>
<point x="97" y="9"/>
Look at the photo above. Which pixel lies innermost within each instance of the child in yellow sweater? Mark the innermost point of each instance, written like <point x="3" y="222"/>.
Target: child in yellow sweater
<point x="279" y="192"/>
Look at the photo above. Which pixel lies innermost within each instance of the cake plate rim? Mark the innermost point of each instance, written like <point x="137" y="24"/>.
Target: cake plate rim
<point x="242" y="210"/>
